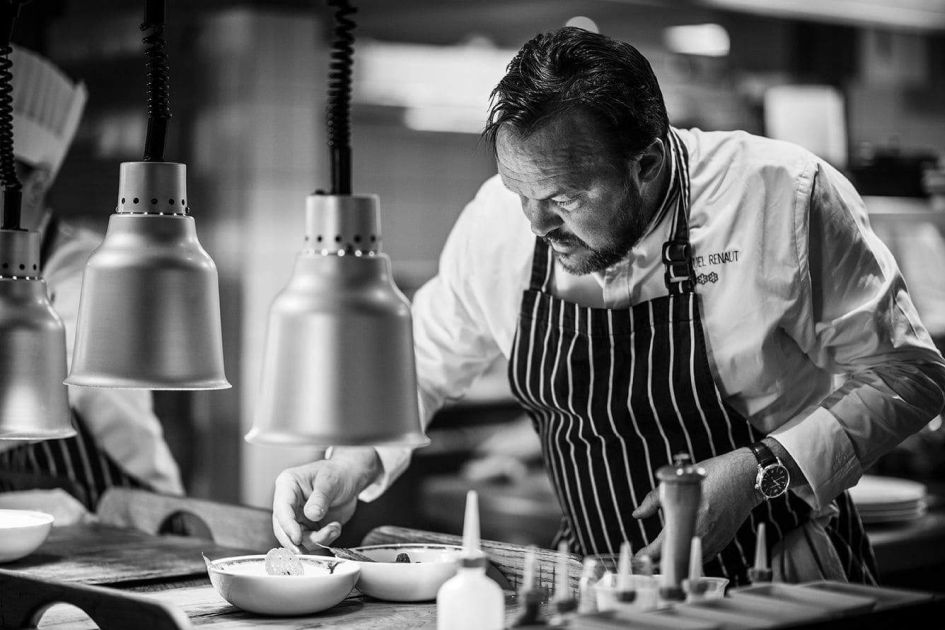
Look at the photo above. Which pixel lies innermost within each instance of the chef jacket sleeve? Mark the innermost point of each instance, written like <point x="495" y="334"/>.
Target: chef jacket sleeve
<point x="452" y="340"/>
<point x="854" y="318"/>
<point x="122" y="421"/>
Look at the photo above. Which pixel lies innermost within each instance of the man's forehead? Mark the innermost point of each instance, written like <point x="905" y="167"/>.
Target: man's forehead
<point x="558" y="152"/>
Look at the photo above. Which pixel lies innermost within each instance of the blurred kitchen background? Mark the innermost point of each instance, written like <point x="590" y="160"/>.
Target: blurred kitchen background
<point x="860" y="82"/>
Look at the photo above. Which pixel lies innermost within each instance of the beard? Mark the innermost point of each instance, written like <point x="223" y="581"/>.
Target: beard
<point x="626" y="229"/>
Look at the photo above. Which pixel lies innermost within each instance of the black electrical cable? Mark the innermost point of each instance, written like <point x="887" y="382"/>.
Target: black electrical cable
<point x="339" y="97"/>
<point x="159" y="109"/>
<point x="12" y="199"/>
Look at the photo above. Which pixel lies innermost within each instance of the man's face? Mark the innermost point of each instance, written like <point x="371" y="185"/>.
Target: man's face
<point x="583" y="201"/>
<point x="33" y="181"/>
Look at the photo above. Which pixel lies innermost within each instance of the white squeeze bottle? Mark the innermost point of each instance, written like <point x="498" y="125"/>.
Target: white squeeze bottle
<point x="469" y="599"/>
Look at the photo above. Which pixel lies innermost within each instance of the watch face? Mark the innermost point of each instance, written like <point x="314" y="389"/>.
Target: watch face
<point x="774" y="481"/>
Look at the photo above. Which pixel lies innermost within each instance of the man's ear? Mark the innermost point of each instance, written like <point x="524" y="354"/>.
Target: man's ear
<point x="651" y="161"/>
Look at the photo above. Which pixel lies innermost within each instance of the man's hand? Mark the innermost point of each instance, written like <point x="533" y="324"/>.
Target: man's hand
<point x="65" y="509"/>
<point x="728" y="496"/>
<point x="312" y="502"/>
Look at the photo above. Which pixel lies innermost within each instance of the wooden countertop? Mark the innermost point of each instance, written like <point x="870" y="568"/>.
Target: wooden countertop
<point x="124" y="577"/>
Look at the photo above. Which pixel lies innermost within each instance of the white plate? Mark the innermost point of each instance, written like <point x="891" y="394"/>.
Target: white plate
<point x="243" y="581"/>
<point x="895" y="516"/>
<point x="22" y="532"/>
<point x="874" y="491"/>
<point x="415" y="581"/>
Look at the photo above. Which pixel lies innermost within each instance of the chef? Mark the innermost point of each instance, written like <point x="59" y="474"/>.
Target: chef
<point x="655" y="291"/>
<point x="120" y="441"/>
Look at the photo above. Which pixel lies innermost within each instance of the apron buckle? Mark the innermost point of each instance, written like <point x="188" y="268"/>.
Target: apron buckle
<point x="677" y="251"/>
<point x="684" y="280"/>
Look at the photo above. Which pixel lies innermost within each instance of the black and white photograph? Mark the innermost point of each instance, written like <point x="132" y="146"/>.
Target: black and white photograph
<point x="472" y="314"/>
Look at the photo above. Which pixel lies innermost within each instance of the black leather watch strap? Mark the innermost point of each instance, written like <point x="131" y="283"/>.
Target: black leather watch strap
<point x="763" y="454"/>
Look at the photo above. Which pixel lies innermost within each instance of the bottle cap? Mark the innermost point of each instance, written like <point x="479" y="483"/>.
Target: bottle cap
<point x="761" y="548"/>
<point x="471" y="542"/>
<point x="681" y="471"/>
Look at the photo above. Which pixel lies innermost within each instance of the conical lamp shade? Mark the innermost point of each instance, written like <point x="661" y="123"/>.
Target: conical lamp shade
<point x="338" y="365"/>
<point x="33" y="401"/>
<point x="149" y="312"/>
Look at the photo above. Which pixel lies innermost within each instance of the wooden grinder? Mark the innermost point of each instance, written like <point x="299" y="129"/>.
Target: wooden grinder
<point x="680" y="493"/>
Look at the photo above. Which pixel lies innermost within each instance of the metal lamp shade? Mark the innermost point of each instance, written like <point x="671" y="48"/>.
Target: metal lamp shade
<point x="338" y="365"/>
<point x="149" y="312"/>
<point x="33" y="401"/>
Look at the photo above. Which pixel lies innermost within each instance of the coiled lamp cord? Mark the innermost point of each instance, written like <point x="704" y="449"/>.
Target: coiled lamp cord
<point x="12" y="196"/>
<point x="155" y="52"/>
<point x="339" y="97"/>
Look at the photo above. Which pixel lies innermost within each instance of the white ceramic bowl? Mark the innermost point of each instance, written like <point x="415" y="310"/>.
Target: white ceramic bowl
<point x="645" y="587"/>
<point x="243" y="581"/>
<point x="416" y="581"/>
<point x="22" y="532"/>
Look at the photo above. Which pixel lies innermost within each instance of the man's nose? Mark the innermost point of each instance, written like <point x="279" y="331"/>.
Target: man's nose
<point x="541" y="214"/>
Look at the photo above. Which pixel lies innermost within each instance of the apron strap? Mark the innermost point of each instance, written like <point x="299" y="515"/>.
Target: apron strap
<point x="677" y="252"/>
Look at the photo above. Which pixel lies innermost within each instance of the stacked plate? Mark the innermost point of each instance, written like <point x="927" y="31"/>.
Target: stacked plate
<point x="889" y="499"/>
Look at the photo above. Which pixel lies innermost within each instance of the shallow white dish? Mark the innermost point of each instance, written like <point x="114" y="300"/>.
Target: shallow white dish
<point x="22" y="532"/>
<point x="873" y="491"/>
<point x="919" y="510"/>
<point x="415" y="581"/>
<point x="243" y="581"/>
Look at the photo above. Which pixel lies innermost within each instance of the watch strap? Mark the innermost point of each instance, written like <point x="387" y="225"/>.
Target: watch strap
<point x="763" y="454"/>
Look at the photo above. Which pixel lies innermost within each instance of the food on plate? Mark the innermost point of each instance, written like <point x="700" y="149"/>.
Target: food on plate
<point x="402" y="557"/>
<point x="281" y="561"/>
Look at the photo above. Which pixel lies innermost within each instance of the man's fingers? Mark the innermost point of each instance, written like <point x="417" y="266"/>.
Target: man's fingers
<point x="649" y="505"/>
<point x="284" y="539"/>
<point x="286" y="500"/>
<point x="326" y="486"/>
<point x="324" y="536"/>
<point x="653" y="550"/>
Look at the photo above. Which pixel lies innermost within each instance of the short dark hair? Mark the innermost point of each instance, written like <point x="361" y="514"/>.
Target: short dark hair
<point x="573" y="69"/>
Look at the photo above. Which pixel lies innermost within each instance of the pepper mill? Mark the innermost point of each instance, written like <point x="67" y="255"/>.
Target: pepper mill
<point x="680" y="492"/>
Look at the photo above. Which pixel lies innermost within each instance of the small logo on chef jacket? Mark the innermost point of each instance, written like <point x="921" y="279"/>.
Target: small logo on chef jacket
<point x="718" y="258"/>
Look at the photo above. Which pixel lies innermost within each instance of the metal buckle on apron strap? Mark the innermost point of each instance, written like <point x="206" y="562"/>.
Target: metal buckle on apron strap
<point x="677" y="255"/>
<point x="677" y="251"/>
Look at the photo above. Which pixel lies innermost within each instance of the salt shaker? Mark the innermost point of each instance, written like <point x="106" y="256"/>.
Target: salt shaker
<point x="680" y="493"/>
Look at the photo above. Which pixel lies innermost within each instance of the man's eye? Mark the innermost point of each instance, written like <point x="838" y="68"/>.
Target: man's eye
<point x="566" y="204"/>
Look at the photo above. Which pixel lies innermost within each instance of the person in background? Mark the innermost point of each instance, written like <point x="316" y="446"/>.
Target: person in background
<point x="656" y="291"/>
<point x="119" y="439"/>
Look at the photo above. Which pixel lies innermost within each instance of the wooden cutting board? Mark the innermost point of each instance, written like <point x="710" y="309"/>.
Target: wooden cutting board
<point x="204" y="607"/>
<point x="103" y="554"/>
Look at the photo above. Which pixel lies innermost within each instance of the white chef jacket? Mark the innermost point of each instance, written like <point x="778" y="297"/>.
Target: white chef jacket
<point x="122" y="421"/>
<point x="794" y="288"/>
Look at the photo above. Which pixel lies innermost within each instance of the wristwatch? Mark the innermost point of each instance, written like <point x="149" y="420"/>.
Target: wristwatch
<point x="773" y="477"/>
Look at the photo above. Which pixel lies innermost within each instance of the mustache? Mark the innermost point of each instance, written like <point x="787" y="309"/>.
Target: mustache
<point x="562" y="238"/>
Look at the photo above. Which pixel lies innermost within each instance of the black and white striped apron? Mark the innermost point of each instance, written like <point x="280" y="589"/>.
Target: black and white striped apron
<point x="76" y="464"/>
<point x="614" y="393"/>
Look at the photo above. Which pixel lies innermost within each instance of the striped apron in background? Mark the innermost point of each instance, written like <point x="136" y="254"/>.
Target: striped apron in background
<point x="615" y="393"/>
<point x="75" y="464"/>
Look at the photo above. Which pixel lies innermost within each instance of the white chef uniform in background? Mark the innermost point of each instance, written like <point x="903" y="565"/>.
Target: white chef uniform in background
<point x="47" y="110"/>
